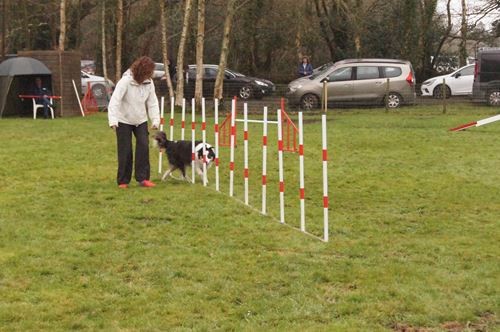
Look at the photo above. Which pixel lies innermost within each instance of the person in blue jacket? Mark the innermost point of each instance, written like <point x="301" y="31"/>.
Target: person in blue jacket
<point x="305" y="67"/>
<point x="44" y="94"/>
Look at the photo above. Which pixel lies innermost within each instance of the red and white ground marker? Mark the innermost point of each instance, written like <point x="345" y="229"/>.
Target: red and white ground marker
<point x="183" y="118"/>
<point x="172" y="101"/>
<point x="245" y="150"/>
<point x="204" y="141"/>
<point x="162" y="121"/>
<point x="193" y="138"/>
<point x="280" y="169"/>
<point x="302" y="195"/>
<point x="231" y="153"/>
<point x="216" y="134"/>
<point x="325" y="178"/>
<point x="264" y="161"/>
<point x="477" y="123"/>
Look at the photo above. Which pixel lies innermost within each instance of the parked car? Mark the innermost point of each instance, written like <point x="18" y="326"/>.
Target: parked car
<point x="357" y="81"/>
<point x="235" y="84"/>
<point x="101" y="88"/>
<point x="486" y="86"/>
<point x="458" y="83"/>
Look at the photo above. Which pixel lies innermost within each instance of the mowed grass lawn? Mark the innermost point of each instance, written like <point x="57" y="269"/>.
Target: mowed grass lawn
<point x="414" y="231"/>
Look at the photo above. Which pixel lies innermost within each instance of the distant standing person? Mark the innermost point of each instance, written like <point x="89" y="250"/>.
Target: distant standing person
<point x="133" y="100"/>
<point x="305" y="67"/>
<point x="44" y="94"/>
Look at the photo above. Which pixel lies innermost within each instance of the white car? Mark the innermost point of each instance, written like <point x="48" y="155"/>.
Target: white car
<point x="458" y="83"/>
<point x="101" y="88"/>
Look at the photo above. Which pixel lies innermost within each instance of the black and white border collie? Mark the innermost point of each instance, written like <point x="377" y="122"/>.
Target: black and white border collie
<point x="179" y="155"/>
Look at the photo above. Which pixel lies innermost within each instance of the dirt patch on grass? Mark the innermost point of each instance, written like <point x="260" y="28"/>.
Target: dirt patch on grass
<point x="486" y="322"/>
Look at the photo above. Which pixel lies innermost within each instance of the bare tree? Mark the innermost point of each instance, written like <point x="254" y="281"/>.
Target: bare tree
<point x="103" y="40"/>
<point x="5" y="4"/>
<point x="62" y="25"/>
<point x="200" y="40"/>
<point x="228" y="23"/>
<point x="180" y="54"/>
<point x="462" y="56"/>
<point x="166" y="61"/>
<point x="119" y="36"/>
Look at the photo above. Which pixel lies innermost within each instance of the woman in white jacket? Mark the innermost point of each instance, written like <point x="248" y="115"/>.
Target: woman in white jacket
<point x="133" y="100"/>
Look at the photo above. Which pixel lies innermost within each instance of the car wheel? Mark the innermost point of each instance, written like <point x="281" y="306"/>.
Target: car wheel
<point x="99" y="90"/>
<point x="245" y="92"/>
<point x="309" y="101"/>
<point x="393" y="100"/>
<point x="438" y="92"/>
<point x="494" y="98"/>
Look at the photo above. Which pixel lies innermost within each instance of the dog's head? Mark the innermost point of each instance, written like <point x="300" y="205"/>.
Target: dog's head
<point x="160" y="140"/>
<point x="209" y="152"/>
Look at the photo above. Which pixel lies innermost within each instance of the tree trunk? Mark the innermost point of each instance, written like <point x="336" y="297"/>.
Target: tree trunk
<point x="231" y="8"/>
<point x="324" y="30"/>
<point x="166" y="61"/>
<point x="119" y="36"/>
<point x="463" y="36"/>
<point x="62" y="25"/>
<point x="180" y="54"/>
<point x="4" y="26"/>
<point x="103" y="40"/>
<point x="200" y="40"/>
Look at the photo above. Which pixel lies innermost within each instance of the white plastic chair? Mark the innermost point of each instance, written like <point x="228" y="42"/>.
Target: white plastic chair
<point x="37" y="106"/>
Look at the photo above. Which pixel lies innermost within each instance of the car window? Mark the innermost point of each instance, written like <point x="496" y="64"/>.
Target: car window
<point x="392" y="72"/>
<point x="192" y="73"/>
<point x="367" y="73"/>
<point x="341" y="74"/>
<point x="159" y="66"/>
<point x="210" y="73"/>
<point x="490" y="63"/>
<point x="467" y="71"/>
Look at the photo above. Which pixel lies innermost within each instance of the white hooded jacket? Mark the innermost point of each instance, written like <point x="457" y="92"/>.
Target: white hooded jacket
<point x="131" y="103"/>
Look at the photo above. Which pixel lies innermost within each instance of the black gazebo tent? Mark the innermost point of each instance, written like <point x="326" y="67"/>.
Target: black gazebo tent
<point x="17" y="76"/>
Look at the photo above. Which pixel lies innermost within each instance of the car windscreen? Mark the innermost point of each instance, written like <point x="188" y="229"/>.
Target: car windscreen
<point x="321" y="72"/>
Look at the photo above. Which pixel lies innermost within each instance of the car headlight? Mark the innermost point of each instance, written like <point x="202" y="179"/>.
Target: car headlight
<point x="428" y="82"/>
<point x="294" y="88"/>
<point x="261" y="83"/>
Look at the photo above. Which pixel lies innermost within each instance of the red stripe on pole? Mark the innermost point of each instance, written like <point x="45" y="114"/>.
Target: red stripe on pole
<point x="301" y="150"/>
<point x="233" y="130"/>
<point x="325" y="202"/>
<point x="183" y="125"/>
<point x="216" y="128"/>
<point x="302" y="193"/>
<point x="193" y="125"/>
<point x="216" y="161"/>
<point x="264" y="140"/>
<point x="280" y="145"/>
<point x="245" y="135"/>
<point x="325" y="155"/>
<point x="203" y="125"/>
<point x="282" y="187"/>
<point x="264" y="179"/>
<point x="245" y="173"/>
<point x="171" y="122"/>
<point x="162" y="121"/>
<point x="465" y="126"/>
<point x="231" y="165"/>
<point x="192" y="156"/>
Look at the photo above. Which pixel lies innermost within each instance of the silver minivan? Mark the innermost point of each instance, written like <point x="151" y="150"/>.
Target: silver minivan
<point x="357" y="81"/>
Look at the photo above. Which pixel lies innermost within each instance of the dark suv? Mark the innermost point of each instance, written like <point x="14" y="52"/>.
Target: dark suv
<point x="486" y="87"/>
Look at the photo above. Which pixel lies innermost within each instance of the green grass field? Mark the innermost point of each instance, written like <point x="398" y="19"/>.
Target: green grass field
<point x="414" y="231"/>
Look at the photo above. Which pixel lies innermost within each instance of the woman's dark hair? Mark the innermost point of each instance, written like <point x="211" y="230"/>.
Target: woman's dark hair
<point x="142" y="69"/>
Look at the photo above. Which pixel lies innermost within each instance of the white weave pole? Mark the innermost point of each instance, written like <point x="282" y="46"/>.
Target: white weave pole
<point x="264" y="160"/>
<point x="172" y="118"/>
<point x="301" y="175"/>
<point x="216" y="131"/>
<point x="204" y="141"/>
<point x="162" y="121"/>
<point x="280" y="169"/>
<point x="231" y="148"/>
<point x="245" y="149"/>
<point x="193" y="137"/>
<point x="325" y="179"/>
<point x="183" y="118"/>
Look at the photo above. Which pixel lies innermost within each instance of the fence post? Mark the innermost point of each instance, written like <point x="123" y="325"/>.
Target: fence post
<point x="443" y="91"/>
<point x="325" y="96"/>
<point x="387" y="96"/>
